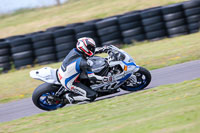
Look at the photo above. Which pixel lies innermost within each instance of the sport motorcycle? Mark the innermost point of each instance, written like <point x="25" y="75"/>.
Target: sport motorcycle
<point x="126" y="75"/>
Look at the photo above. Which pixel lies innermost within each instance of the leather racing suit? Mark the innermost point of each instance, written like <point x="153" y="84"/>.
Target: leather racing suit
<point x="73" y="65"/>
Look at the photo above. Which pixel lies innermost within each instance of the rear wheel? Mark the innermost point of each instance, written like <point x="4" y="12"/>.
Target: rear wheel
<point x="138" y="80"/>
<point x="44" y="97"/>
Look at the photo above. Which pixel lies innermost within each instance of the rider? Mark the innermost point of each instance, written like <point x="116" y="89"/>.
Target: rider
<point x="75" y="63"/>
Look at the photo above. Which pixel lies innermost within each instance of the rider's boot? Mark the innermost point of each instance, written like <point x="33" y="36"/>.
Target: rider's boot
<point x="69" y="98"/>
<point x="74" y="98"/>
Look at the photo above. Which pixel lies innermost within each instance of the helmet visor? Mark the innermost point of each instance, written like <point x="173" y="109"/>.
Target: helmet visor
<point x="91" y="48"/>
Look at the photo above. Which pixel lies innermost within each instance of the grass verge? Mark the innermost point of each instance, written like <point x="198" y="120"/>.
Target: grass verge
<point x="73" y="11"/>
<point x="169" y="108"/>
<point x="17" y="84"/>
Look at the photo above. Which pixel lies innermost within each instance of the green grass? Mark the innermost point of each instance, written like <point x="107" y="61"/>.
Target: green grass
<point x="170" y="108"/>
<point x="17" y="84"/>
<point x="27" y="21"/>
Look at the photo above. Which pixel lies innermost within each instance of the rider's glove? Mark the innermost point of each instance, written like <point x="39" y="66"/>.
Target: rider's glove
<point x="103" y="49"/>
<point x="106" y="48"/>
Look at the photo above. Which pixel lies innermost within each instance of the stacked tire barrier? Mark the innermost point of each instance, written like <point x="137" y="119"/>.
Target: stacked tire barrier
<point x="174" y="20"/>
<point x="88" y="29"/>
<point x="64" y="41"/>
<point x="153" y="24"/>
<point x="5" y="55"/>
<point x="22" y="53"/>
<point x="44" y="50"/>
<point x="192" y="14"/>
<point x="131" y="27"/>
<point x="55" y="43"/>
<point x="108" y="31"/>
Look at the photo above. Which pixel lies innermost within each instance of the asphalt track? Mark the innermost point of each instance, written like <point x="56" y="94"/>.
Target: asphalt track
<point x="168" y="75"/>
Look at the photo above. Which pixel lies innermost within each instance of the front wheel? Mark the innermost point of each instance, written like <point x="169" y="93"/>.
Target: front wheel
<point x="138" y="81"/>
<point x="44" y="97"/>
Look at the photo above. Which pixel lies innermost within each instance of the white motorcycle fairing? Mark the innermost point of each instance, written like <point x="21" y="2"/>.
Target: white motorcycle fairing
<point x="46" y="74"/>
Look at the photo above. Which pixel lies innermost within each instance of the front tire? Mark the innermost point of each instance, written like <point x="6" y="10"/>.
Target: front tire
<point x="41" y="97"/>
<point x="143" y="79"/>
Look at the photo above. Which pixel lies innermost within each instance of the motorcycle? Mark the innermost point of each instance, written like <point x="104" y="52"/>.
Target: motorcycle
<point x="119" y="64"/>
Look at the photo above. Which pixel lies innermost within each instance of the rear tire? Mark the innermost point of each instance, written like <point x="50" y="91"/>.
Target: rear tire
<point x="140" y="74"/>
<point x="45" y="90"/>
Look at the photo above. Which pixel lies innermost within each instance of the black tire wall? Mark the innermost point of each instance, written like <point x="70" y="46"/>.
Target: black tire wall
<point x="55" y="43"/>
<point x="64" y="40"/>
<point x="22" y="52"/>
<point x="5" y="56"/>
<point x="43" y="44"/>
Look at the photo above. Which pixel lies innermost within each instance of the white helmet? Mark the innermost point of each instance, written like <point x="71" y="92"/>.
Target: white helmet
<point x="86" y="46"/>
